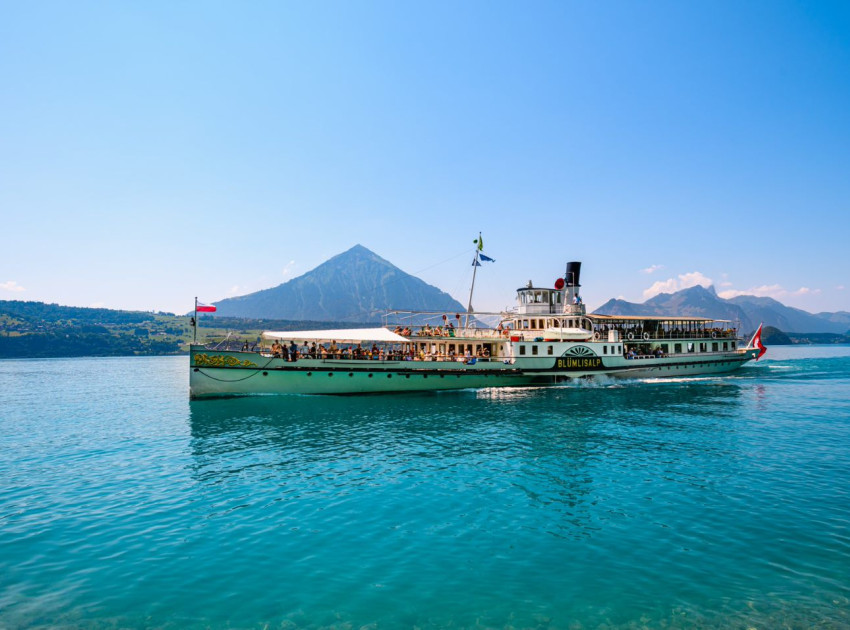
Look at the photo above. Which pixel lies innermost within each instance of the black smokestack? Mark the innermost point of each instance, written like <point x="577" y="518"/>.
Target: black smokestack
<point x="573" y="274"/>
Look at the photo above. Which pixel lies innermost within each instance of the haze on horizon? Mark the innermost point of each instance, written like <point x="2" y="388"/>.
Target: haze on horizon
<point x="155" y="152"/>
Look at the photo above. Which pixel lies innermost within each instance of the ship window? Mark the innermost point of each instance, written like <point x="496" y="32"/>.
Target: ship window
<point x="534" y="350"/>
<point x="690" y="347"/>
<point x="522" y="349"/>
<point x="703" y="347"/>
<point x="725" y="345"/>
<point x="714" y="346"/>
<point x="733" y="345"/>
<point x="677" y="348"/>
<point x="549" y="350"/>
<point x="665" y="348"/>
<point x="604" y="349"/>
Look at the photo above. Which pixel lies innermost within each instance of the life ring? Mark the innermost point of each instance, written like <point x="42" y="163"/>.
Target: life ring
<point x="596" y="335"/>
<point x="631" y="336"/>
<point x="646" y="336"/>
<point x="714" y="335"/>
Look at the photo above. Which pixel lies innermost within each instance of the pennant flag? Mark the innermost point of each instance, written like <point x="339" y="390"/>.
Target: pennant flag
<point x="205" y="308"/>
<point x="479" y="242"/>
<point x="475" y="263"/>
<point x="756" y="342"/>
<point x="486" y="258"/>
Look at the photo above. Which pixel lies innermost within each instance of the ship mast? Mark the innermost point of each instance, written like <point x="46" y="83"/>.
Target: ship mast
<point x="475" y="265"/>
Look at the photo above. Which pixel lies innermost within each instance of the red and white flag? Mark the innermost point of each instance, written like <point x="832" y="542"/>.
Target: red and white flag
<point x="756" y="343"/>
<point x="205" y="308"/>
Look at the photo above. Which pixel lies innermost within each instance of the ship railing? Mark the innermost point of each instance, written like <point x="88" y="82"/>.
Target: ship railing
<point x="640" y="334"/>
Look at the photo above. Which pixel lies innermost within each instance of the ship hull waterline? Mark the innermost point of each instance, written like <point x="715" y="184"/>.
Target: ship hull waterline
<point x="229" y="373"/>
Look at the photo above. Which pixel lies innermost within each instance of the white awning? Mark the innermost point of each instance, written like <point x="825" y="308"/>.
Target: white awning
<point x="345" y="335"/>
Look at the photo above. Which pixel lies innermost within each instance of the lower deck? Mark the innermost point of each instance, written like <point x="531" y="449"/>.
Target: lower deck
<point x="224" y="373"/>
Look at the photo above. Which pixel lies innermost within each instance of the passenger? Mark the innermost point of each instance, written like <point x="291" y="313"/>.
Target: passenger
<point x="276" y="350"/>
<point x="314" y="351"/>
<point x="245" y="347"/>
<point x="284" y="352"/>
<point x="304" y="351"/>
<point x="333" y="351"/>
<point x="293" y="351"/>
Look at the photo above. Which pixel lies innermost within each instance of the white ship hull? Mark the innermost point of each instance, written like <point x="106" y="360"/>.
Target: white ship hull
<point x="217" y="374"/>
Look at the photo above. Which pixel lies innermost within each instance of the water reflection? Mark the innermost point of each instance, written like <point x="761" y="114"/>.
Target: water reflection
<point x="553" y="449"/>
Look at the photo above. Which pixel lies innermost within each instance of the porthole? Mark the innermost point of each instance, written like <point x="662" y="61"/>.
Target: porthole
<point x="389" y="375"/>
<point x="407" y="376"/>
<point x="330" y="374"/>
<point x="197" y="370"/>
<point x="309" y="374"/>
<point x="265" y="373"/>
<point x="442" y="376"/>
<point x="350" y="374"/>
<point x="424" y="376"/>
<point x="370" y="375"/>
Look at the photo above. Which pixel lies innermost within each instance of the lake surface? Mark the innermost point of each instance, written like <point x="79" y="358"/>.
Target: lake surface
<point x="696" y="503"/>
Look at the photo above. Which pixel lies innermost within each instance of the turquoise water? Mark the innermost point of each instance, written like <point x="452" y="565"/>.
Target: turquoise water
<point x="700" y="503"/>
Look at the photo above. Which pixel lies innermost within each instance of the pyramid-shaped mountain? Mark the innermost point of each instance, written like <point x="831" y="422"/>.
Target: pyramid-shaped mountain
<point x="355" y="286"/>
<point x="749" y="310"/>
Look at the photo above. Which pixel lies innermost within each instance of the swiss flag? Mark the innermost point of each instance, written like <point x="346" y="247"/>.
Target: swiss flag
<point x="756" y="342"/>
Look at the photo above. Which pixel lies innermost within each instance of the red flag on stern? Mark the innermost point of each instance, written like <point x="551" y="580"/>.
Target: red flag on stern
<point x="756" y="343"/>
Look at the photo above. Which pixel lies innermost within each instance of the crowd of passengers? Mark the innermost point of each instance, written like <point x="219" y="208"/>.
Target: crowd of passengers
<point x="675" y="333"/>
<point x="636" y="331"/>
<point x="427" y="331"/>
<point x="293" y="352"/>
<point x="642" y="352"/>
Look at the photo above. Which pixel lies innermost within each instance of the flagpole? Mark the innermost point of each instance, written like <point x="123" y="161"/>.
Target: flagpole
<point x="475" y="265"/>
<point x="195" y="338"/>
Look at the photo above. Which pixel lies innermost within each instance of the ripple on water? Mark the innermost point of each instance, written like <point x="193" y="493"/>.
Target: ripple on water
<point x="716" y="502"/>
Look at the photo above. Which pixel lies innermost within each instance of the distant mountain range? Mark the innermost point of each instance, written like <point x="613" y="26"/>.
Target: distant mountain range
<point x="749" y="310"/>
<point x="359" y="286"/>
<point x="355" y="286"/>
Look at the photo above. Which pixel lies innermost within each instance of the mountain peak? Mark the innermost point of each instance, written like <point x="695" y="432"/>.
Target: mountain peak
<point x="700" y="301"/>
<point x="354" y="286"/>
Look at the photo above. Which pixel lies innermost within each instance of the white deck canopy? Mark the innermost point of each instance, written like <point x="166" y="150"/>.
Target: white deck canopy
<point x="344" y="335"/>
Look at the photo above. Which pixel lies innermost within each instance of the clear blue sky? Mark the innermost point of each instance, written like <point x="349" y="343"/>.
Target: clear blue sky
<point x="154" y="151"/>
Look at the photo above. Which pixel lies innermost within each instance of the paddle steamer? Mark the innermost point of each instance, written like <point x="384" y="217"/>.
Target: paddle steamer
<point x="547" y="339"/>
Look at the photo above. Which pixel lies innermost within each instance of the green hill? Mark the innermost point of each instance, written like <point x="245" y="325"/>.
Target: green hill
<point x="39" y="330"/>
